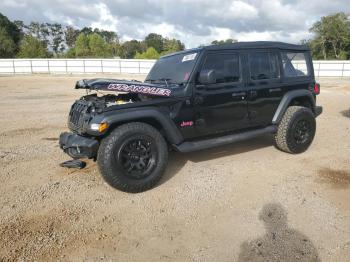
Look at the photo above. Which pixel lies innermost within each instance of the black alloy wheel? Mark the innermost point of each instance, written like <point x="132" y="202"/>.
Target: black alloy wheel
<point x="302" y="131"/>
<point x="137" y="156"/>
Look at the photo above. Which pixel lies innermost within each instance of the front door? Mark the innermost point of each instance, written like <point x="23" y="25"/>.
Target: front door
<point x="221" y="106"/>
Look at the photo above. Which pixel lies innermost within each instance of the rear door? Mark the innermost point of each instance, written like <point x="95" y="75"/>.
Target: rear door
<point x="265" y="89"/>
<point x="221" y="106"/>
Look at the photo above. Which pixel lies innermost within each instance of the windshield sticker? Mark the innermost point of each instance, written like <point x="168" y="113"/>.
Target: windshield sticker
<point x="187" y="76"/>
<point x="140" y="89"/>
<point x="189" y="57"/>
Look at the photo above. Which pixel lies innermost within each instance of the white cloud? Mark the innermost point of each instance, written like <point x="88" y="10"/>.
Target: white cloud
<point x="106" y="20"/>
<point x="13" y="4"/>
<point x="194" y="22"/>
<point x="242" y="10"/>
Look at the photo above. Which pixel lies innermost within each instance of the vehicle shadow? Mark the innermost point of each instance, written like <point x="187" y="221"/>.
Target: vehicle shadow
<point x="346" y="113"/>
<point x="280" y="243"/>
<point x="178" y="160"/>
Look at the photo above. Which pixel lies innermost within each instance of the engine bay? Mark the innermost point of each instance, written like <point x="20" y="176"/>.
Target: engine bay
<point x="101" y="100"/>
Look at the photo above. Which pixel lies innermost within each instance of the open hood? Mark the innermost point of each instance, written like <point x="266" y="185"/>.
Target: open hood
<point x="124" y="86"/>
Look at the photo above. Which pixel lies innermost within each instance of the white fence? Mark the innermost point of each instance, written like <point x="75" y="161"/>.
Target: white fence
<point x="75" y="66"/>
<point x="335" y="68"/>
<point x="129" y="66"/>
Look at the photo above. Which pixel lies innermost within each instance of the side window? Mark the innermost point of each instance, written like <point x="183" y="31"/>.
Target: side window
<point x="263" y="65"/>
<point x="226" y="67"/>
<point x="294" y="64"/>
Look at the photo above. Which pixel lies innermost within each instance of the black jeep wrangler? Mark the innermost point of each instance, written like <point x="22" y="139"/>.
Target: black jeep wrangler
<point x="194" y="100"/>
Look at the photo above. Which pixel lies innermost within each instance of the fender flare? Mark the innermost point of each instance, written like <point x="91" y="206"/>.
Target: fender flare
<point x="287" y="98"/>
<point x="172" y="133"/>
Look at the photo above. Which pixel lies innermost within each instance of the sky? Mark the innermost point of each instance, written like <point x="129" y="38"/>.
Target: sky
<point x="194" y="22"/>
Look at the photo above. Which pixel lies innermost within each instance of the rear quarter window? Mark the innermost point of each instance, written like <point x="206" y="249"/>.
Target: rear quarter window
<point x="295" y="64"/>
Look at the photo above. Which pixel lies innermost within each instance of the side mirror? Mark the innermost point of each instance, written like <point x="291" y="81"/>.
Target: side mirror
<point x="207" y="77"/>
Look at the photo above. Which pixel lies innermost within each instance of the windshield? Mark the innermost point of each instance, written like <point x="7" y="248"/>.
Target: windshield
<point x="175" y="69"/>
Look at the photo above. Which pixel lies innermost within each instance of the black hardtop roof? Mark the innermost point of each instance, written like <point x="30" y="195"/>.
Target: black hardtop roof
<point x="247" y="45"/>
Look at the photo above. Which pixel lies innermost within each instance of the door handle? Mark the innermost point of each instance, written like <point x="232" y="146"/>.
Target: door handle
<point x="253" y="93"/>
<point x="198" y="100"/>
<point x="271" y="90"/>
<point x="239" y="94"/>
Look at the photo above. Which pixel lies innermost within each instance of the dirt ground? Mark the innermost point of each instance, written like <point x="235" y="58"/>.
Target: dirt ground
<point x="241" y="202"/>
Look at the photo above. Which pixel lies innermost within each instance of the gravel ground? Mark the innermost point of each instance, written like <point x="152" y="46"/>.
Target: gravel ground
<point x="241" y="202"/>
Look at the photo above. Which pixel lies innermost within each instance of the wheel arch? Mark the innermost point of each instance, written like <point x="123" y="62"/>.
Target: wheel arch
<point x="149" y="116"/>
<point x="296" y="97"/>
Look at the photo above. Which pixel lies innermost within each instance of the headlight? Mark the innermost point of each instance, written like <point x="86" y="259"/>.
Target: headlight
<point x="99" y="127"/>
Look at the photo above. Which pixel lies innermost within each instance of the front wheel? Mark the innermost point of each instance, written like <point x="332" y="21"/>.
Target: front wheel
<point x="296" y="130"/>
<point x="133" y="157"/>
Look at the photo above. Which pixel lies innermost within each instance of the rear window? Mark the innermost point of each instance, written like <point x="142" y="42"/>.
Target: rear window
<point x="263" y="65"/>
<point x="294" y="64"/>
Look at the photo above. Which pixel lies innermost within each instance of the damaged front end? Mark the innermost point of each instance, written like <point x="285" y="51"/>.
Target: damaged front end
<point x="109" y="94"/>
<point x="103" y="95"/>
<point x="78" y="146"/>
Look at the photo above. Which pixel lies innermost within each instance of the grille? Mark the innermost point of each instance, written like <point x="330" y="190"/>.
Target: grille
<point x="76" y="115"/>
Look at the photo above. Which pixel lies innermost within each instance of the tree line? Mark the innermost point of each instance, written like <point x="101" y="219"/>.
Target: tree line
<point x="46" y="40"/>
<point x="331" y="37"/>
<point x="331" y="40"/>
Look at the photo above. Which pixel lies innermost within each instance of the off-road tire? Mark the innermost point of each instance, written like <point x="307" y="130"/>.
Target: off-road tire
<point x="110" y="167"/>
<point x="285" y="137"/>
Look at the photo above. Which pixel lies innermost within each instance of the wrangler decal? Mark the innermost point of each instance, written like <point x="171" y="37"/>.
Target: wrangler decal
<point x="140" y="89"/>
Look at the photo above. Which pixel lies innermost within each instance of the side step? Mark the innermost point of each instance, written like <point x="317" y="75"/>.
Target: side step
<point x="186" y="147"/>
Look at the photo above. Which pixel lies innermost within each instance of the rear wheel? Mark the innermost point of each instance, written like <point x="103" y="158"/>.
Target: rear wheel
<point x="296" y="130"/>
<point x="133" y="157"/>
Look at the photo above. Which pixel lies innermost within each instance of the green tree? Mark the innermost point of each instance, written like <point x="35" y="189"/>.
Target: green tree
<point x="332" y="37"/>
<point x="7" y="45"/>
<point x="108" y="36"/>
<point x="154" y="40"/>
<point x="98" y="47"/>
<point x="10" y="36"/>
<point x="222" y="42"/>
<point x="31" y="47"/>
<point x="116" y="49"/>
<point x="56" y="34"/>
<point x="129" y="48"/>
<point x="87" y="30"/>
<point x="38" y="30"/>
<point x="82" y="46"/>
<point x="70" y="53"/>
<point x="70" y="35"/>
<point x="171" y="46"/>
<point x="92" y="45"/>
<point x="20" y="25"/>
<point x="150" y="53"/>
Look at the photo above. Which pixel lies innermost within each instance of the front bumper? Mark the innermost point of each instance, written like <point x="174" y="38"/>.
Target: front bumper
<point x="78" y="146"/>
<point x="318" y="110"/>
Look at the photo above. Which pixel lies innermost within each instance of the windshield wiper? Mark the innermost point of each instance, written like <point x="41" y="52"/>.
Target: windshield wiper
<point x="167" y="81"/>
<point x="153" y="81"/>
<point x="150" y="80"/>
